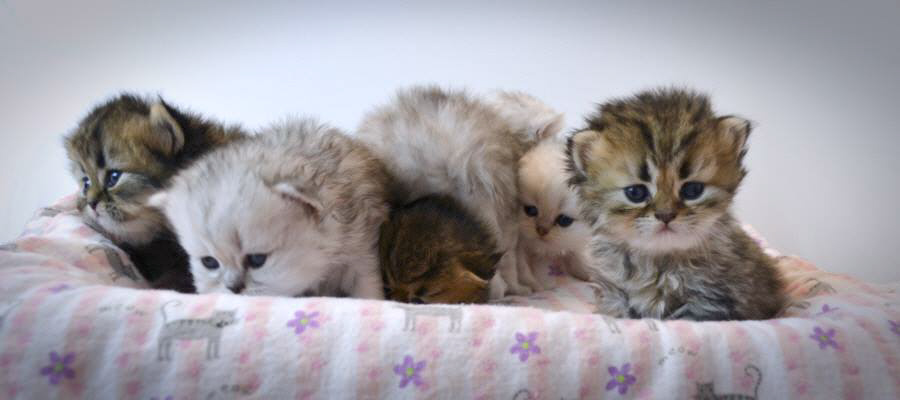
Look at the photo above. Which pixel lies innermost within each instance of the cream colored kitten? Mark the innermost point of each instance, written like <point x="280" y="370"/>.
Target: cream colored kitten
<point x="292" y="211"/>
<point x="552" y="235"/>
<point x="436" y="141"/>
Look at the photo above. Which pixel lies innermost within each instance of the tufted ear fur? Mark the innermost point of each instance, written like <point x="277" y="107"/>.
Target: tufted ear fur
<point x="166" y="135"/>
<point x="482" y="265"/>
<point x="300" y="196"/>
<point x="158" y="200"/>
<point x="578" y="151"/>
<point x="550" y="126"/>
<point x="735" y="131"/>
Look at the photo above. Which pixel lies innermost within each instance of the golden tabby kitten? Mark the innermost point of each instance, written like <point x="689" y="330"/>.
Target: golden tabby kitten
<point x="433" y="251"/>
<point x="656" y="174"/>
<point x="123" y="151"/>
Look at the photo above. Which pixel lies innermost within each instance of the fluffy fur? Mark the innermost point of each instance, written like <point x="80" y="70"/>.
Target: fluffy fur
<point x="662" y="248"/>
<point x="448" y="142"/>
<point x="556" y="234"/>
<point x="303" y="197"/>
<point x="434" y="251"/>
<point x="125" y="150"/>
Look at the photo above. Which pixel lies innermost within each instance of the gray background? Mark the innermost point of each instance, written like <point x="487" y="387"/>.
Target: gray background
<point x="819" y="78"/>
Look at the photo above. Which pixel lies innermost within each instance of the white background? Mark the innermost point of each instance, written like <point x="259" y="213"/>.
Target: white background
<point x="821" y="81"/>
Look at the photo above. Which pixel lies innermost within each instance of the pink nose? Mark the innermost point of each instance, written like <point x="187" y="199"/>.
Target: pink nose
<point x="541" y="231"/>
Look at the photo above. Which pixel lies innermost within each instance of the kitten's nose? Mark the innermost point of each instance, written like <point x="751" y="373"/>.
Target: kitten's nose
<point x="541" y="231"/>
<point x="93" y="203"/>
<point x="237" y="288"/>
<point x="665" y="216"/>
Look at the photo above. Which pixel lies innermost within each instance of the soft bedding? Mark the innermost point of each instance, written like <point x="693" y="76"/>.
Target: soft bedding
<point x="77" y="322"/>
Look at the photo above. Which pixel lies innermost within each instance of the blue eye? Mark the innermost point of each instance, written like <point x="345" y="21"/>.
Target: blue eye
<point x="112" y="177"/>
<point x="85" y="183"/>
<point x="255" y="260"/>
<point x="691" y="190"/>
<point x="531" y="211"/>
<point x="637" y="193"/>
<point x="564" y="220"/>
<point x="210" y="263"/>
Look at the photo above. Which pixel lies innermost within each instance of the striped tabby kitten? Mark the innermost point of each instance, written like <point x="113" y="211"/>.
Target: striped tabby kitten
<point x="434" y="251"/>
<point x="123" y="151"/>
<point x="656" y="174"/>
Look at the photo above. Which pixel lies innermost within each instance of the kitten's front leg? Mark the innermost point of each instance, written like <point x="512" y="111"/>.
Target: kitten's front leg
<point x="367" y="285"/>
<point x="609" y="299"/>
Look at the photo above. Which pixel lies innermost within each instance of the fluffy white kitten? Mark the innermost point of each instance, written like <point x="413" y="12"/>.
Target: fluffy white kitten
<point x="552" y="236"/>
<point x="449" y="142"/>
<point x="292" y="211"/>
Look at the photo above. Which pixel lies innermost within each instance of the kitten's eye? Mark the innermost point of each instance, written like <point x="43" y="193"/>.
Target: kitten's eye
<point x="112" y="177"/>
<point x="564" y="220"/>
<point x="637" y="193"/>
<point x="209" y="262"/>
<point x="531" y="211"/>
<point x="691" y="190"/>
<point x="86" y="183"/>
<point x="255" y="260"/>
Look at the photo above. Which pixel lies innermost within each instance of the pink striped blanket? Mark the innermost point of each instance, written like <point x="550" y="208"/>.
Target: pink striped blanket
<point x="77" y="323"/>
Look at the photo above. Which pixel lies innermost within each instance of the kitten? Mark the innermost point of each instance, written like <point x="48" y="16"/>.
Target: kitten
<point x="656" y="174"/>
<point x="434" y="251"/>
<point x="292" y="211"/>
<point x="123" y="151"/>
<point x="552" y="235"/>
<point x="436" y="141"/>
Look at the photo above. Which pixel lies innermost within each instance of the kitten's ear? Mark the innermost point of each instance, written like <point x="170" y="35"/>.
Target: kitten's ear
<point x="166" y="135"/>
<point x="736" y="130"/>
<point x="551" y="126"/>
<point x="482" y="266"/>
<point x="578" y="153"/>
<point x="158" y="200"/>
<point x="300" y="196"/>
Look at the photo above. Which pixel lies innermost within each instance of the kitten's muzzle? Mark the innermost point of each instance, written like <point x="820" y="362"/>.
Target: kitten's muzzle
<point x="541" y="231"/>
<point x="665" y="216"/>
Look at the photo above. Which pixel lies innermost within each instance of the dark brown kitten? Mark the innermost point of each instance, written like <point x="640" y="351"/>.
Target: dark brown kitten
<point x="125" y="150"/>
<point x="656" y="174"/>
<point x="433" y="251"/>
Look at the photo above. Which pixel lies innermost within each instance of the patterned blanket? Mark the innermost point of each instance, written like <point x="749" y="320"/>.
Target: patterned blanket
<point x="77" y="322"/>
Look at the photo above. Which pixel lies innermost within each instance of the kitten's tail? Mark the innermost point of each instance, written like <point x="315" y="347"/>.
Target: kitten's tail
<point x="162" y="309"/>
<point x="758" y="377"/>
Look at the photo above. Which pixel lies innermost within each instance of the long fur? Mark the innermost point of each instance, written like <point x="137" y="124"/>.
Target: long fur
<point x="305" y="195"/>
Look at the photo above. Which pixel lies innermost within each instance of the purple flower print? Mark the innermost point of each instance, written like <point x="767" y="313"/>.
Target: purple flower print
<point x="525" y="345"/>
<point x="555" y="270"/>
<point x="895" y="327"/>
<point x="410" y="371"/>
<point x="620" y="378"/>
<point x="59" y="368"/>
<point x="303" y="321"/>
<point x="827" y="309"/>
<point x="165" y="398"/>
<point x="824" y="338"/>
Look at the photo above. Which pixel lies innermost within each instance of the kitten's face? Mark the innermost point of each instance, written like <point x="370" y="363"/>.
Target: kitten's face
<point x="549" y="219"/>
<point x="433" y="251"/>
<point x="453" y="283"/>
<point x="245" y="236"/>
<point x="118" y="157"/>
<point x="658" y="172"/>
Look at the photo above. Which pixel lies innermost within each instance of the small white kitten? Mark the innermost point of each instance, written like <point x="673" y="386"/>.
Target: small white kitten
<point x="292" y="211"/>
<point x="437" y="141"/>
<point x="552" y="237"/>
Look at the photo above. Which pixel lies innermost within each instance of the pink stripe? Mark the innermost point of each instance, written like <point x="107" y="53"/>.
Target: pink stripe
<point x="538" y="363"/>
<point x="644" y="344"/>
<point x="739" y="352"/>
<point x="19" y="331"/>
<point x="135" y="335"/>
<point x="371" y="372"/>
<point x="795" y="361"/>
<point x="310" y="345"/>
<point x="80" y="336"/>
<point x="849" y="371"/>
<point x="888" y="350"/>
<point x="591" y="363"/>
<point x="484" y="352"/>
<point x="188" y="358"/>
<point x="249" y="360"/>
<point x="425" y="349"/>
